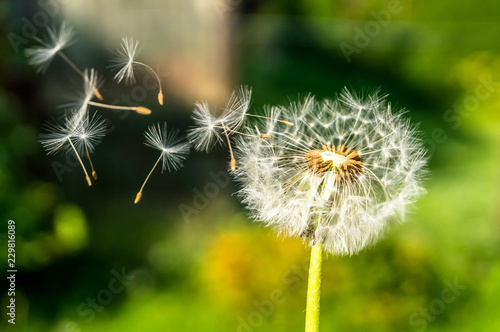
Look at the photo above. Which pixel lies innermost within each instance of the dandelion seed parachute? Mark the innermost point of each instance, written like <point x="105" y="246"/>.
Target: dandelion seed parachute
<point x="174" y="150"/>
<point x="91" y="83"/>
<point x="125" y="63"/>
<point x="41" y="56"/>
<point x="367" y="168"/>
<point x="125" y="60"/>
<point x="89" y="133"/>
<point x="210" y="129"/>
<point x="74" y="133"/>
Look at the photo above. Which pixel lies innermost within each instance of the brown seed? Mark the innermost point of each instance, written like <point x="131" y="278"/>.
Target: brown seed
<point x="137" y="197"/>
<point x="143" y="110"/>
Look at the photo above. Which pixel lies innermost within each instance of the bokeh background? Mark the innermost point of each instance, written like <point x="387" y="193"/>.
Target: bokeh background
<point x="91" y="260"/>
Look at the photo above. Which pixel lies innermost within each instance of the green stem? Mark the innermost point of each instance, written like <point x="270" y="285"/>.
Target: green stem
<point x="314" y="288"/>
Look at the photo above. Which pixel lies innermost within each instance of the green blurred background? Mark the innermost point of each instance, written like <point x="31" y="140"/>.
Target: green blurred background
<point x="91" y="260"/>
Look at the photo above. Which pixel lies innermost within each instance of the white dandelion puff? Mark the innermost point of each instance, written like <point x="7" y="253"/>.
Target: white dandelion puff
<point x="174" y="150"/>
<point x="340" y="176"/>
<point x="58" y="39"/>
<point x="125" y="62"/>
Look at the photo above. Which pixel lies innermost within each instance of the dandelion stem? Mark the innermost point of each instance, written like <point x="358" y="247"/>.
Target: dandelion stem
<point x="81" y="163"/>
<point x="160" y="94"/>
<point x="94" y="173"/>
<point x="75" y="68"/>
<point x="138" y="109"/>
<point x="139" y="194"/>
<point x="314" y="288"/>
<point x="233" y="161"/>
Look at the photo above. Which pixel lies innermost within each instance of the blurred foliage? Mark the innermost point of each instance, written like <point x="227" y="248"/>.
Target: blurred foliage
<point x="218" y="271"/>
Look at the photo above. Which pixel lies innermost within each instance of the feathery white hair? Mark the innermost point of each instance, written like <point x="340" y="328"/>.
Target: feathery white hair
<point x="41" y="56"/>
<point x="173" y="148"/>
<point x="125" y="60"/>
<point x="346" y="170"/>
<point x="81" y="130"/>
<point x="210" y="129"/>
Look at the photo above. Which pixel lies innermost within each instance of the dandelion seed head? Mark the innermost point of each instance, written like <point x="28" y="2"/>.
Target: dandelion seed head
<point x="56" y="40"/>
<point x="344" y="183"/>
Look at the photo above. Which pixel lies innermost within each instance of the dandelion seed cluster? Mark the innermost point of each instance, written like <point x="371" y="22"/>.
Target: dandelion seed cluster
<point x="342" y="174"/>
<point x="337" y="171"/>
<point x="77" y="131"/>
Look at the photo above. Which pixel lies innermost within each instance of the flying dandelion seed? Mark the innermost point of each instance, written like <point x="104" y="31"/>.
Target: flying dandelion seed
<point x="74" y="134"/>
<point x="210" y="129"/>
<point x="174" y="150"/>
<point x="125" y="62"/>
<point x="91" y="82"/>
<point x="84" y="98"/>
<point x="88" y="134"/>
<point x="41" y="56"/>
<point x="336" y="179"/>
